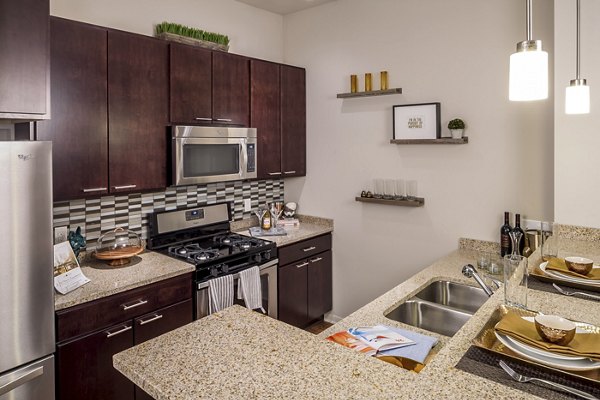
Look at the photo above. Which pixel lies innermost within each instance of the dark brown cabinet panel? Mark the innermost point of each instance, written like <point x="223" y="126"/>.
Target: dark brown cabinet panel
<point x="292" y="280"/>
<point x="162" y="321"/>
<point x="231" y="89"/>
<point x="293" y="121"/>
<point x="24" y="59"/>
<point x="264" y="116"/>
<point x="138" y="89"/>
<point x="78" y="128"/>
<point x="304" y="249"/>
<point x="84" y="366"/>
<point x="191" y="84"/>
<point x="319" y="285"/>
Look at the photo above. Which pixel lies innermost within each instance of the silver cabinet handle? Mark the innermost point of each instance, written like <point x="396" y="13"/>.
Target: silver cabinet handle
<point x="203" y="119"/>
<point x="314" y="260"/>
<point x="124" y="329"/>
<point x="124" y="187"/>
<point x="134" y="305"/>
<point x="224" y="119"/>
<point x="21" y="380"/>
<point x="289" y="172"/>
<point x="304" y="264"/>
<point x="311" y="248"/>
<point x="274" y="173"/>
<point x="154" y="318"/>
<point x="100" y="189"/>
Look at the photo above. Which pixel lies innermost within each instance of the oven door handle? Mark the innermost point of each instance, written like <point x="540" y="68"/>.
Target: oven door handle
<point x="270" y="264"/>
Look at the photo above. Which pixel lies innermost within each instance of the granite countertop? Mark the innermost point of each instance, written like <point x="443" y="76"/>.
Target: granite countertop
<point x="309" y="227"/>
<point x="148" y="267"/>
<point x="252" y="356"/>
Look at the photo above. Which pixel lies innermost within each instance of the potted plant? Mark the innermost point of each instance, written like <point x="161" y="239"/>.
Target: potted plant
<point x="193" y="36"/>
<point x="456" y="127"/>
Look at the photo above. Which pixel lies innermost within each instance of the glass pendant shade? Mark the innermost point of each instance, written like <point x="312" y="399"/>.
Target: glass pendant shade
<point x="577" y="99"/>
<point x="528" y="78"/>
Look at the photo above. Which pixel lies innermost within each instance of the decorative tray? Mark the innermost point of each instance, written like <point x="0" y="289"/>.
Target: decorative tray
<point x="538" y="274"/>
<point x="487" y="339"/>
<point x="120" y="256"/>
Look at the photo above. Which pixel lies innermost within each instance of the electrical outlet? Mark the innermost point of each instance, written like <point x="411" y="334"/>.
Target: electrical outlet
<point x="247" y="205"/>
<point x="60" y="234"/>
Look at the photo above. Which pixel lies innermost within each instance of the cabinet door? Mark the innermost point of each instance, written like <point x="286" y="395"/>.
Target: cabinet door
<point x="85" y="369"/>
<point x="293" y="121"/>
<point x="78" y="128"/>
<point x="292" y="293"/>
<point x="231" y="89"/>
<point x="319" y="285"/>
<point x="24" y="58"/>
<point x="264" y="116"/>
<point x="191" y="84"/>
<point x="138" y="90"/>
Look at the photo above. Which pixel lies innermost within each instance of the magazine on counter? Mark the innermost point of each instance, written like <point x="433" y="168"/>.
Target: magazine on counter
<point x="380" y="337"/>
<point x="67" y="273"/>
<point x="352" y="342"/>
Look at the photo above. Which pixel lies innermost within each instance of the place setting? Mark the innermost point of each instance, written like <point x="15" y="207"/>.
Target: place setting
<point x="554" y="274"/>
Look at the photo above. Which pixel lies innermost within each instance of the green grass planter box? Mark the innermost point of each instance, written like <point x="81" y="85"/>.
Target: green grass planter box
<point x="192" y="36"/>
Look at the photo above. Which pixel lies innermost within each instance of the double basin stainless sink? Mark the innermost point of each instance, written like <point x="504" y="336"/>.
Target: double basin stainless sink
<point x="442" y="307"/>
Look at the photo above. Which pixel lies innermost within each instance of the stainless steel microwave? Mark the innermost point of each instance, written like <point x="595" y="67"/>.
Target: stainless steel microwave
<point x="203" y="154"/>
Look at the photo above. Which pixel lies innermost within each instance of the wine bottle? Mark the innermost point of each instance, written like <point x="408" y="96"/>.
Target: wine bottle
<point x="505" y="243"/>
<point x="266" y="221"/>
<point x="517" y="228"/>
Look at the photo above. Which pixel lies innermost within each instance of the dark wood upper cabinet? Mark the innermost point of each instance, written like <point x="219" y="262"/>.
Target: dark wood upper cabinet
<point x="191" y="84"/>
<point x="138" y="90"/>
<point x="293" y="121"/>
<point x="24" y="59"/>
<point x="78" y="128"/>
<point x="264" y="116"/>
<point x="231" y="89"/>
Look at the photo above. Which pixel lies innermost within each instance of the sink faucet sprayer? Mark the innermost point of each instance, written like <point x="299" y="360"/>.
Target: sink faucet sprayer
<point x="470" y="272"/>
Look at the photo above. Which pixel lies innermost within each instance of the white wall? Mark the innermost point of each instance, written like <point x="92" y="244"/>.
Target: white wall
<point x="253" y="32"/>
<point x="577" y="165"/>
<point x="457" y="53"/>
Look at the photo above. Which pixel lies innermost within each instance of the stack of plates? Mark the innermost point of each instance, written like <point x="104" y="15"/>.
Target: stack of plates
<point x="544" y="357"/>
<point x="568" y="278"/>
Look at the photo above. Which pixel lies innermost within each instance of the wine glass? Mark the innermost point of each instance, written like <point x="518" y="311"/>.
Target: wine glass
<point x="276" y="210"/>
<point x="260" y="213"/>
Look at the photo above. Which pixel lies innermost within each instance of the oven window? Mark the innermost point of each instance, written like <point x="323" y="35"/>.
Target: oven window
<point x="210" y="159"/>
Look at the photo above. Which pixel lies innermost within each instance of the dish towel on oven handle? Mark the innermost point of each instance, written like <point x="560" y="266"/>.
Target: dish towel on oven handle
<point x="249" y="288"/>
<point x="220" y="293"/>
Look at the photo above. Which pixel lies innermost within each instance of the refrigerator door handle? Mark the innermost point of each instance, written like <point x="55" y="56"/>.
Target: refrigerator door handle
<point x="21" y="380"/>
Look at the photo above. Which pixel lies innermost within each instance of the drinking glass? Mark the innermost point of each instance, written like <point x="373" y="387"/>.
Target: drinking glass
<point x="515" y="280"/>
<point x="276" y="210"/>
<point x="379" y="188"/>
<point x="400" y="192"/>
<point x="549" y="242"/>
<point x="411" y="190"/>
<point x="483" y="260"/>
<point x="390" y="188"/>
<point x="260" y="213"/>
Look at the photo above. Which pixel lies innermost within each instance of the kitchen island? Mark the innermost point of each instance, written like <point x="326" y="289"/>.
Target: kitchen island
<point x="241" y="354"/>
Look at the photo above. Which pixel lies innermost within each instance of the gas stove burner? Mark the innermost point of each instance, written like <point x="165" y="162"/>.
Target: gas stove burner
<point x="184" y="250"/>
<point x="204" y="255"/>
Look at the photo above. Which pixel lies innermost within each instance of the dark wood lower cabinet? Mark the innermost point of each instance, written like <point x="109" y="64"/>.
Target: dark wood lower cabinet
<point x="292" y="280"/>
<point x="84" y="365"/>
<point x="319" y="285"/>
<point x="162" y="321"/>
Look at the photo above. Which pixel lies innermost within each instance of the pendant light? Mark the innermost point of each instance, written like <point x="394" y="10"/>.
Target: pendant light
<point x="528" y="78"/>
<point x="577" y="99"/>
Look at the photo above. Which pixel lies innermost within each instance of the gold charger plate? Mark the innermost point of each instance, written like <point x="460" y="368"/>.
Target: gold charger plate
<point x="486" y="339"/>
<point x="538" y="274"/>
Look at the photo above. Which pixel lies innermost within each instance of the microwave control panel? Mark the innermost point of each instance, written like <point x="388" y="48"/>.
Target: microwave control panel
<point x="251" y="149"/>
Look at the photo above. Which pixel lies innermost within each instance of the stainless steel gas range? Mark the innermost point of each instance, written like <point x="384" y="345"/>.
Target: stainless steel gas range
<point x="202" y="236"/>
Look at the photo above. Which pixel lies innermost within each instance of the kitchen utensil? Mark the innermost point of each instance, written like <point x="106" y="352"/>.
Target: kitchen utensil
<point x="534" y="238"/>
<point x="579" y="265"/>
<point x="515" y="280"/>
<point x="555" y="329"/>
<point x="524" y="379"/>
<point x="568" y="293"/>
<point x="118" y="246"/>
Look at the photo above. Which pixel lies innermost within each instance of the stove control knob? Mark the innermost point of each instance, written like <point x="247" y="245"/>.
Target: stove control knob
<point x="267" y="255"/>
<point x="257" y="257"/>
<point x="225" y="268"/>
<point x="214" y="271"/>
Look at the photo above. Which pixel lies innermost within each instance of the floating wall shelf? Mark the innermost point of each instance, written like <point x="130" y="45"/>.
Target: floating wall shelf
<point x="370" y="93"/>
<point x="417" y="202"/>
<point x="464" y="140"/>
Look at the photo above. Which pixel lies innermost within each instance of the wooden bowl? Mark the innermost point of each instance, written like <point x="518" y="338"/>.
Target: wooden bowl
<point x="118" y="257"/>
<point x="579" y="265"/>
<point x="555" y="329"/>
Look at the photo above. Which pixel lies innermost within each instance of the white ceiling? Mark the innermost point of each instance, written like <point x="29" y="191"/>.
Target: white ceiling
<point x="284" y="6"/>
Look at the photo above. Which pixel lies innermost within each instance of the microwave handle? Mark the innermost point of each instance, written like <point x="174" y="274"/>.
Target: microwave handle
<point x="243" y="157"/>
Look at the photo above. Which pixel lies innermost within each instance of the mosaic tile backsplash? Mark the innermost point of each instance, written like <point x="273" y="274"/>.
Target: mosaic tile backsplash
<point x="99" y="215"/>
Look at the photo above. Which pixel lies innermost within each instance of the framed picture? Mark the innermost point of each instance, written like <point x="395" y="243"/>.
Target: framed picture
<point x="417" y="121"/>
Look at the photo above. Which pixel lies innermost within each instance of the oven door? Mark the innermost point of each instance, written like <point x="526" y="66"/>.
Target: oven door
<point x="205" y="160"/>
<point x="268" y="283"/>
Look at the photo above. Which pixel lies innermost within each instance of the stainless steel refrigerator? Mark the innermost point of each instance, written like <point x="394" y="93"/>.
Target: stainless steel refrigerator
<point x="26" y="272"/>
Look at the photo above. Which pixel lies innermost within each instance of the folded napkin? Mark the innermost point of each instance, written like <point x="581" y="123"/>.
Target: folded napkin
<point x="417" y="352"/>
<point x="559" y="264"/>
<point x="220" y="293"/>
<point x="249" y="288"/>
<point x="583" y="345"/>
